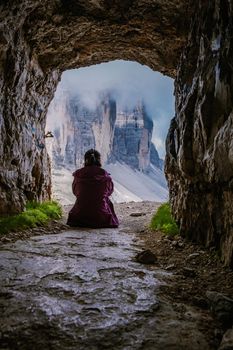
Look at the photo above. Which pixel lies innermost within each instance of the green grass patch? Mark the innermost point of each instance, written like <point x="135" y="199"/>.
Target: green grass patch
<point x="163" y="221"/>
<point x="35" y="214"/>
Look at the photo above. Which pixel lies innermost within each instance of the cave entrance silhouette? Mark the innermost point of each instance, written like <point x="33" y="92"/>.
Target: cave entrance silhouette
<point x="121" y="108"/>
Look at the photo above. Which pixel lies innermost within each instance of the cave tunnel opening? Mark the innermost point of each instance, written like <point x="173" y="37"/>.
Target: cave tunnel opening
<point x="121" y="108"/>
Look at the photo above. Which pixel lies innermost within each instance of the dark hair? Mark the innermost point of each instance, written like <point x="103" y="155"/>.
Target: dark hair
<point x="92" y="157"/>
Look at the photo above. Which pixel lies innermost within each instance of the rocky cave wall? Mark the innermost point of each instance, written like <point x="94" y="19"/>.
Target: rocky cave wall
<point x="199" y="162"/>
<point x="38" y="40"/>
<point x="25" y="94"/>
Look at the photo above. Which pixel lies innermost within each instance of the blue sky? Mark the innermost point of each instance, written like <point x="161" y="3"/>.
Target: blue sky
<point x="130" y="82"/>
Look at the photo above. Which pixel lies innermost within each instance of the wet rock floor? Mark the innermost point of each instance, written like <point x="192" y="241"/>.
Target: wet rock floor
<point x="82" y="289"/>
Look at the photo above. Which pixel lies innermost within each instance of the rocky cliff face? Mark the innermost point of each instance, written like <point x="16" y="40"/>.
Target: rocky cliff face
<point x="69" y="131"/>
<point x="199" y="163"/>
<point x="103" y="127"/>
<point x="154" y="157"/>
<point x="77" y="128"/>
<point x="119" y="136"/>
<point x="132" y="139"/>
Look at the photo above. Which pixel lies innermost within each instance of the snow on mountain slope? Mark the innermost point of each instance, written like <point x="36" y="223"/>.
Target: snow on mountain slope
<point x="62" y="186"/>
<point x="133" y="185"/>
<point x="129" y="185"/>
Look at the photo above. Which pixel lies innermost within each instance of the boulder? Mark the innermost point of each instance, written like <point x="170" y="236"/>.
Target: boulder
<point x="222" y="307"/>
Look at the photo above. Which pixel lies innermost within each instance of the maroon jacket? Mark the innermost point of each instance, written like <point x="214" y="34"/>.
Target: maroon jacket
<point x="92" y="186"/>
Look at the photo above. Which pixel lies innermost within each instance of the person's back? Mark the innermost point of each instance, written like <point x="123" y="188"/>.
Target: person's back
<point x="92" y="187"/>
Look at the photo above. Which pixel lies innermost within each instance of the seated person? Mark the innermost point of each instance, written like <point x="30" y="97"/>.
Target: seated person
<point x="92" y="186"/>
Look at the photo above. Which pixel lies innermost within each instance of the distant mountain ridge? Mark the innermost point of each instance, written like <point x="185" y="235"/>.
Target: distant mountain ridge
<point x="120" y="136"/>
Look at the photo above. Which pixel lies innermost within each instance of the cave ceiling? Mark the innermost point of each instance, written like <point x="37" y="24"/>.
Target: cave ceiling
<point x="62" y="34"/>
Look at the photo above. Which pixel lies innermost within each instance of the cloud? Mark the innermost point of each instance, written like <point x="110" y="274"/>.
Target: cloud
<point x="129" y="82"/>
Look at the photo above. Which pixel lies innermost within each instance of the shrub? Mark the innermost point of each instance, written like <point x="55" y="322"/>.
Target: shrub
<point x="35" y="214"/>
<point x="163" y="221"/>
<point x="52" y="209"/>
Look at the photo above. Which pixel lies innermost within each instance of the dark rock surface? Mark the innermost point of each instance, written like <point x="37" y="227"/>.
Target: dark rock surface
<point x="181" y="303"/>
<point x="222" y="306"/>
<point x="199" y="162"/>
<point x="227" y="341"/>
<point x="81" y="289"/>
<point x="146" y="257"/>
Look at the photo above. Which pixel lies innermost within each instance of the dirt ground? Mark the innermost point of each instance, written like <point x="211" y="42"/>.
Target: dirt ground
<point x="194" y="269"/>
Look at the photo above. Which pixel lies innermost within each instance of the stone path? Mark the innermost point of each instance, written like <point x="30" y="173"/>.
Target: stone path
<point x="82" y="289"/>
